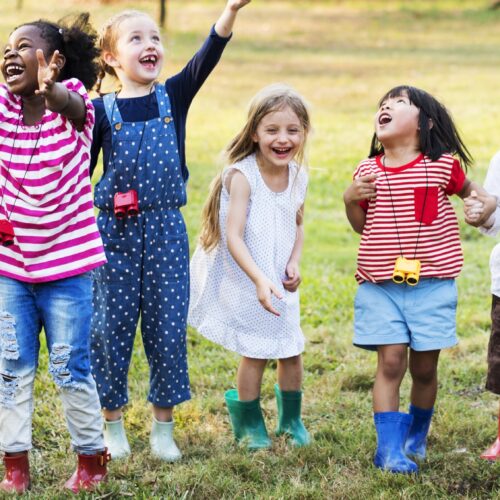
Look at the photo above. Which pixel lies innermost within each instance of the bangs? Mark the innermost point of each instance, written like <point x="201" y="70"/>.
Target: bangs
<point x="416" y="96"/>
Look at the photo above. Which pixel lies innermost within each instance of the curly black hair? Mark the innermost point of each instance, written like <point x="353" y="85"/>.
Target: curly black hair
<point x="75" y="38"/>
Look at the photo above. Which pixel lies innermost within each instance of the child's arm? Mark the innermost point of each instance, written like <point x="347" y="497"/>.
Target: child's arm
<point x="473" y="206"/>
<point x="183" y="86"/>
<point x="57" y="97"/>
<point x="292" y="268"/>
<point x="362" y="188"/>
<point x="239" y="197"/>
<point x="224" y="25"/>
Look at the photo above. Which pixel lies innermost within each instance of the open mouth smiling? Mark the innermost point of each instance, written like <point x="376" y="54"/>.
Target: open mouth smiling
<point x="149" y="61"/>
<point x="13" y="72"/>
<point x="282" y="151"/>
<point x="384" y="119"/>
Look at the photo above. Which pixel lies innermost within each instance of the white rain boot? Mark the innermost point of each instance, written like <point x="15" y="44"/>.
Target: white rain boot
<point x="162" y="441"/>
<point x="116" y="439"/>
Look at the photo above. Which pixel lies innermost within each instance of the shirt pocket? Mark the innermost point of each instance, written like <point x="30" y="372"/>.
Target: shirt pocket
<point x="426" y="204"/>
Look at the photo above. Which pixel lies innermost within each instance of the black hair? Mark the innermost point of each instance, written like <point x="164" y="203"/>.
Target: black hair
<point x="437" y="132"/>
<point x="75" y="38"/>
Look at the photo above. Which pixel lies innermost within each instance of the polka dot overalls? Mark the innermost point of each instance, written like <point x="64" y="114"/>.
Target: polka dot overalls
<point x="147" y="273"/>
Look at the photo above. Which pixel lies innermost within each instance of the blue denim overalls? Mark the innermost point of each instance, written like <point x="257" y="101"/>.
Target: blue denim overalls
<point x="148" y="261"/>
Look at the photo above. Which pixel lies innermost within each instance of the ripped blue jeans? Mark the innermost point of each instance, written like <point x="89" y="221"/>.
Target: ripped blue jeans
<point x="63" y="308"/>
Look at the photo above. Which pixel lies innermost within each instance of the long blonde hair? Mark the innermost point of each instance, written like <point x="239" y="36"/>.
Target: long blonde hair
<point x="109" y="35"/>
<point x="272" y="98"/>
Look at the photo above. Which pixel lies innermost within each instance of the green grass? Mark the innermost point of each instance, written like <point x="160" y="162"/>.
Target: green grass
<point x="342" y="56"/>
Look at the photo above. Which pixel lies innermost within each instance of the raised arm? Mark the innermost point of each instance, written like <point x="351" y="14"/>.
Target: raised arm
<point x="224" y="25"/>
<point x="239" y="197"/>
<point x="57" y="97"/>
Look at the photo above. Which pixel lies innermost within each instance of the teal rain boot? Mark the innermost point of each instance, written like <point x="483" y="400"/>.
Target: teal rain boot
<point x="289" y="416"/>
<point x="416" y="441"/>
<point x="392" y="429"/>
<point x="247" y="421"/>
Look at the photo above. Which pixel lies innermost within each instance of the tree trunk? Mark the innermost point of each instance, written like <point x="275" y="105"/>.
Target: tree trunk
<point x="163" y="12"/>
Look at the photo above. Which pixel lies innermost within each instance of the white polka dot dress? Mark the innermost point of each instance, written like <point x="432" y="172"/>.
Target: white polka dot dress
<point x="224" y="307"/>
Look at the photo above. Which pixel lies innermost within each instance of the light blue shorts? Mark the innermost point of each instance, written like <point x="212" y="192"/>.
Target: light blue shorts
<point x="422" y="316"/>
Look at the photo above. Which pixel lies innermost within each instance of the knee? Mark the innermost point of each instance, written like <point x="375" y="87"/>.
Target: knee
<point x="291" y="362"/>
<point x="424" y="375"/>
<point x="59" y="367"/>
<point x="9" y="386"/>
<point x="392" y="366"/>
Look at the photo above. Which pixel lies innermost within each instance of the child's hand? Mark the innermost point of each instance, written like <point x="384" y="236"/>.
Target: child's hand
<point x="265" y="290"/>
<point x="292" y="283"/>
<point x="362" y="188"/>
<point x="478" y="208"/>
<point x="47" y="73"/>
<point x="236" y="5"/>
<point x="473" y="208"/>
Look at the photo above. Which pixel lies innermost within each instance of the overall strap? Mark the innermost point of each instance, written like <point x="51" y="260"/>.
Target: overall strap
<point x="163" y="101"/>
<point x="111" y="108"/>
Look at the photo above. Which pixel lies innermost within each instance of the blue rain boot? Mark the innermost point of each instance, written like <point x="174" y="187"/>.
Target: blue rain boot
<point x="392" y="429"/>
<point x="417" y="435"/>
<point x="247" y="421"/>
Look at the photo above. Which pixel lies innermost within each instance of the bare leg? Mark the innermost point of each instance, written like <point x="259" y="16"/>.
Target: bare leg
<point x="493" y="452"/>
<point x="423" y="369"/>
<point x="249" y="378"/>
<point x="391" y="368"/>
<point x="290" y="373"/>
<point x="112" y="415"/>
<point x="163" y="414"/>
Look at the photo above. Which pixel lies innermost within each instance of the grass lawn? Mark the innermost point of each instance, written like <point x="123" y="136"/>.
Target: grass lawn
<point x="342" y="56"/>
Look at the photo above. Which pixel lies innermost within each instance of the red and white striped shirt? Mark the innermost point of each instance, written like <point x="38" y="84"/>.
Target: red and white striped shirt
<point x="45" y="191"/>
<point x="412" y="217"/>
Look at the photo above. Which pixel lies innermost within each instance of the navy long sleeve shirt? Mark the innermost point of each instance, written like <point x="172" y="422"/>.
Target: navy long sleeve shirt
<point x="181" y="89"/>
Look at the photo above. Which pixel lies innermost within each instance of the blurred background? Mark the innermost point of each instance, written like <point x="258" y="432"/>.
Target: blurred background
<point x="342" y="56"/>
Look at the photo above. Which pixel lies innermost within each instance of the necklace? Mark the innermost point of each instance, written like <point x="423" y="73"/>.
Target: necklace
<point x="134" y="169"/>
<point x="407" y="269"/>
<point x="9" y="215"/>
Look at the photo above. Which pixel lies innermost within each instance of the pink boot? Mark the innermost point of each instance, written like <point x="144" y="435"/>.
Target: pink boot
<point x="493" y="452"/>
<point x="17" y="473"/>
<point x="90" y="471"/>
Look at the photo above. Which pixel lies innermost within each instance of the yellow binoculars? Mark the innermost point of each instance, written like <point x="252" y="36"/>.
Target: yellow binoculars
<point x="406" y="270"/>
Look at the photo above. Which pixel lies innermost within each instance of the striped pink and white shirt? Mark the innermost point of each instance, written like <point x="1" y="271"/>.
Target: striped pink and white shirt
<point x="45" y="191"/>
<point x="411" y="216"/>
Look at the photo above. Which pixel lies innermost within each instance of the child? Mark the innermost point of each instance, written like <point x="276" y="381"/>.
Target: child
<point x="50" y="240"/>
<point x="408" y="258"/>
<point x="249" y="251"/>
<point x="141" y="131"/>
<point x="474" y="207"/>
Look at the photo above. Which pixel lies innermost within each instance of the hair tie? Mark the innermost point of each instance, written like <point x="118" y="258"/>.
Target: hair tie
<point x="61" y="31"/>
